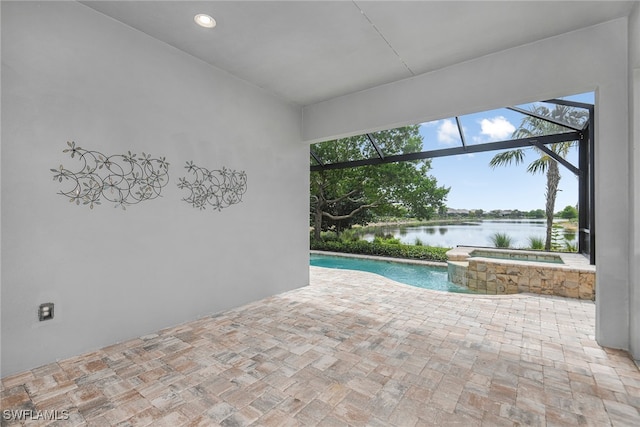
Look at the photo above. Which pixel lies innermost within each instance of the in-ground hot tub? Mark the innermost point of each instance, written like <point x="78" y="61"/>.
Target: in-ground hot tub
<point x="509" y="271"/>
<point x="528" y="256"/>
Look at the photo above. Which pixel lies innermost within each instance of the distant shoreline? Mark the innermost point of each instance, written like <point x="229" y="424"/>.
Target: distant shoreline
<point x="565" y="223"/>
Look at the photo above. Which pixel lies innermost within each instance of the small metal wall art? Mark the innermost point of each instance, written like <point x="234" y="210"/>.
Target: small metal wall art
<point x="122" y="179"/>
<point x="216" y="188"/>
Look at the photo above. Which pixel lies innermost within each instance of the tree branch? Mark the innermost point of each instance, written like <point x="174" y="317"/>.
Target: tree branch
<point x="349" y="215"/>
<point x="349" y="194"/>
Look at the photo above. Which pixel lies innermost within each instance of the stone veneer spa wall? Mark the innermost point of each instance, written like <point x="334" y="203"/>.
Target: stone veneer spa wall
<point x="503" y="271"/>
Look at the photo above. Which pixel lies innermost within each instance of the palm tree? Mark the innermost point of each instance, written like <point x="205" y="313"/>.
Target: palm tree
<point x="532" y="126"/>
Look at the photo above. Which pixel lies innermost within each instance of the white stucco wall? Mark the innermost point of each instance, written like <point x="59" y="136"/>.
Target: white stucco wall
<point x="591" y="59"/>
<point x="70" y="73"/>
<point x="634" y="176"/>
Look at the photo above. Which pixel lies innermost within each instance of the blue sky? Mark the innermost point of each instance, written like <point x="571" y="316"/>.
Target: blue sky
<point x="475" y="185"/>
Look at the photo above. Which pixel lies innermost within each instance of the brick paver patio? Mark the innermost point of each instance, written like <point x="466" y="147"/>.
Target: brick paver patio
<point x="350" y="349"/>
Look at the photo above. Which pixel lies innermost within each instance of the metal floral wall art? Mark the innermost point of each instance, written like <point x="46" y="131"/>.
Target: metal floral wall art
<point x="216" y="188"/>
<point x="122" y="179"/>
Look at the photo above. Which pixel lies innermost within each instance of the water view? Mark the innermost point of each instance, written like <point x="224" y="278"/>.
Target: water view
<point x="473" y="233"/>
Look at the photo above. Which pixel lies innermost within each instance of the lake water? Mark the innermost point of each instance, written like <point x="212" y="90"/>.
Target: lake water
<point x="473" y="233"/>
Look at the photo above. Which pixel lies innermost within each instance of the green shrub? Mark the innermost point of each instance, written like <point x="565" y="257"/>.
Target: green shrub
<point x="388" y="239"/>
<point x="329" y="236"/>
<point x="418" y="242"/>
<point x="557" y="240"/>
<point x="395" y="250"/>
<point x="349" y="236"/>
<point x="501" y="240"/>
<point x="536" y="243"/>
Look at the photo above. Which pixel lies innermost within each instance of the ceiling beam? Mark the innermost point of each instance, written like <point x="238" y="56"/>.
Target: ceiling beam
<point x="461" y="132"/>
<point x="558" y="158"/>
<point x="316" y="158"/>
<point x="568" y="103"/>
<point x="373" y="142"/>
<point x="477" y="148"/>
<point x="545" y="118"/>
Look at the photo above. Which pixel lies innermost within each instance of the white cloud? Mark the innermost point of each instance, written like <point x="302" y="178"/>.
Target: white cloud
<point x="448" y="132"/>
<point x="497" y="128"/>
<point x="429" y="124"/>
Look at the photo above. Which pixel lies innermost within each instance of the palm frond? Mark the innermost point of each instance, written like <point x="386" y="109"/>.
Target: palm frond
<point x="563" y="148"/>
<point x="539" y="165"/>
<point x="507" y="157"/>
<point x="522" y="132"/>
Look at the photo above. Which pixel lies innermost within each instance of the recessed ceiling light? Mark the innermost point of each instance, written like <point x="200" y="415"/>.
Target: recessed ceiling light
<point x="205" y="20"/>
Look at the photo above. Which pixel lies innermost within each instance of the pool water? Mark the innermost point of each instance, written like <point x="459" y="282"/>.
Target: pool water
<point x="421" y="276"/>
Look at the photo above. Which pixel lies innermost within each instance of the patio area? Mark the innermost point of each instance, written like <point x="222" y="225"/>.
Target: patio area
<point x="352" y="348"/>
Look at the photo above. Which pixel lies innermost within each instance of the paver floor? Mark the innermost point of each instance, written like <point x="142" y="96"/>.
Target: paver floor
<point x="352" y="348"/>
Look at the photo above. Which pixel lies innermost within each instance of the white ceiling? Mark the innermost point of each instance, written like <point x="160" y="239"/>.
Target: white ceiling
<point x="310" y="51"/>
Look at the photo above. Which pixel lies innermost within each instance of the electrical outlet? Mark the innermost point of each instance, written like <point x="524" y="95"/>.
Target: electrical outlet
<point x="45" y="311"/>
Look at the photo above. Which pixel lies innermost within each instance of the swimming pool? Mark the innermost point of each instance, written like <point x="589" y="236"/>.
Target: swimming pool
<point x="421" y="276"/>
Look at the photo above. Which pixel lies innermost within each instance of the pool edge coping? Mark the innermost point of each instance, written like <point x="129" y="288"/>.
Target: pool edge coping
<point x="381" y="258"/>
<point x="522" y="295"/>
